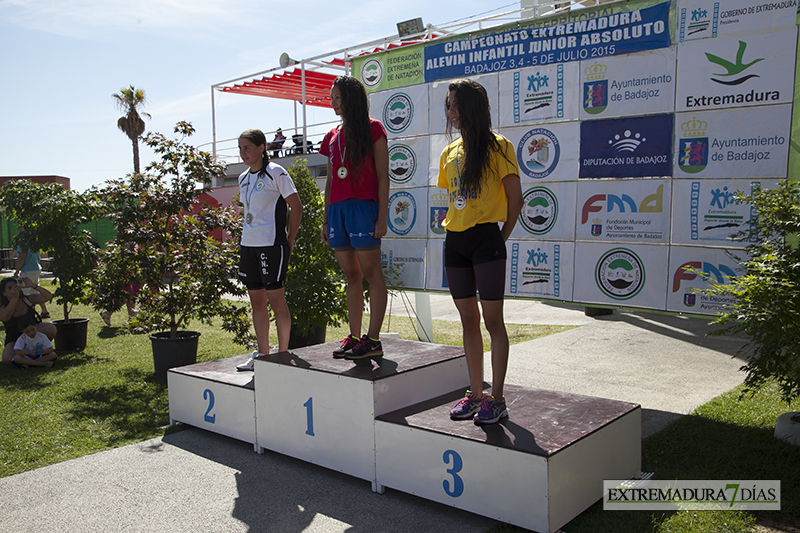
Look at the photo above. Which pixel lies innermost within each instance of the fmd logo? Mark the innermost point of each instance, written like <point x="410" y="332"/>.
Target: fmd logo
<point x="372" y="73"/>
<point x="620" y="274"/>
<point x="693" y="148"/>
<point x="690" y="270"/>
<point x="398" y="112"/>
<point x="402" y="212"/>
<point x="539" y="210"/>
<point x="538" y="153"/>
<point x="595" y="89"/>
<point x="402" y="163"/>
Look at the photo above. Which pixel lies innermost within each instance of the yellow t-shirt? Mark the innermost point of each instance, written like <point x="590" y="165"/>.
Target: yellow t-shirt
<point x="491" y="204"/>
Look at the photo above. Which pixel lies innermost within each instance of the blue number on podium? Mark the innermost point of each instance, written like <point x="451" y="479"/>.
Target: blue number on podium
<point x="458" y="483"/>
<point x="309" y="405"/>
<point x="209" y="395"/>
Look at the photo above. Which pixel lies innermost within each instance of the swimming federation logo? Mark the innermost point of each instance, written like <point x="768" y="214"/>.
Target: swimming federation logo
<point x="402" y="163"/>
<point x="693" y="148"/>
<point x="398" y="112"/>
<point x="402" y="212"/>
<point x="538" y="153"/>
<point x="595" y="89"/>
<point x="539" y="210"/>
<point x="372" y="73"/>
<point x="620" y="274"/>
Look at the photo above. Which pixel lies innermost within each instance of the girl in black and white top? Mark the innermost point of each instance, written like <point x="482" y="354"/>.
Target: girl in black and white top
<point x="268" y="194"/>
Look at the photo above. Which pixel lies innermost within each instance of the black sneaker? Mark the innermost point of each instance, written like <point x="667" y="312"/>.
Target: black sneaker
<point x="365" y="348"/>
<point x="347" y="343"/>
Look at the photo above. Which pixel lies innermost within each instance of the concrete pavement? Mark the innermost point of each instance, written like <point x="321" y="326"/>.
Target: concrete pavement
<point x="198" y="481"/>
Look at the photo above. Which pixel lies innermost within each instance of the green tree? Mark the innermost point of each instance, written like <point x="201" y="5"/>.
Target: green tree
<point x="767" y="307"/>
<point x="130" y="100"/>
<point x="165" y="243"/>
<point x="51" y="216"/>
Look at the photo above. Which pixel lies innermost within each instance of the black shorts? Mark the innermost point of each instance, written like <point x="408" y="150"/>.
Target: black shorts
<point x="263" y="267"/>
<point x="475" y="260"/>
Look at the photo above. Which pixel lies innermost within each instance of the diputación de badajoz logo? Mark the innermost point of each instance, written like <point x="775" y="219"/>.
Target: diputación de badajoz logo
<point x="620" y="274"/>
<point x="538" y="153"/>
<point x="372" y="73"/>
<point x="595" y="89"/>
<point x="693" y="147"/>
<point x="402" y="163"/>
<point x="539" y="210"/>
<point x="398" y="112"/>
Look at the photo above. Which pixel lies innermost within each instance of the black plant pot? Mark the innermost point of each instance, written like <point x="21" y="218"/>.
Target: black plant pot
<point x="71" y="334"/>
<point x="170" y="353"/>
<point x="312" y="337"/>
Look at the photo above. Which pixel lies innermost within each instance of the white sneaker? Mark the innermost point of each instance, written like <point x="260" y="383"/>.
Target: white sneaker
<point x="106" y="316"/>
<point x="248" y="365"/>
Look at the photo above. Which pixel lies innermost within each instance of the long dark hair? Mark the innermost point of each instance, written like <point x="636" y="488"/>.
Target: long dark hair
<point x="475" y="120"/>
<point x="355" y="114"/>
<point x="258" y="138"/>
<point x="3" y="284"/>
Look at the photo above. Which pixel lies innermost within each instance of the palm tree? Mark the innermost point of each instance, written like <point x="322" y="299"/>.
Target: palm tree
<point x="129" y="101"/>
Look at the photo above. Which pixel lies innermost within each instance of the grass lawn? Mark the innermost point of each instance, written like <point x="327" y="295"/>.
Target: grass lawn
<point x="106" y="396"/>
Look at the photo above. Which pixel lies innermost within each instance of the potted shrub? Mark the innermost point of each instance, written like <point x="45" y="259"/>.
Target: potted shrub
<point x="315" y="291"/>
<point x="51" y="216"/>
<point x="164" y="244"/>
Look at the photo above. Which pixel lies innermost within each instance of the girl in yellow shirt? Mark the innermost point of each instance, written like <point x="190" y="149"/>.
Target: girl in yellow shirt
<point x="481" y="174"/>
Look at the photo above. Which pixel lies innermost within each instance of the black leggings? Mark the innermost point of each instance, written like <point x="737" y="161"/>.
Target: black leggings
<point x="475" y="260"/>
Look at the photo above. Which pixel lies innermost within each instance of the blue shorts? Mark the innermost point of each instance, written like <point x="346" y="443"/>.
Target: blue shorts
<point x="351" y="224"/>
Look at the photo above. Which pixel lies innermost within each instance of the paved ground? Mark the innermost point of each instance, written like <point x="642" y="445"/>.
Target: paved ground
<point x="197" y="481"/>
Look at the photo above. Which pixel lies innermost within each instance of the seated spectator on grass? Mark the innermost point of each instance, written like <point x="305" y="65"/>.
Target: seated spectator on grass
<point x="32" y="348"/>
<point x="14" y="305"/>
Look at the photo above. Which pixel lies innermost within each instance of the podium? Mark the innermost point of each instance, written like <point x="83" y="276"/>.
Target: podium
<point x="387" y="421"/>
<point x="322" y="410"/>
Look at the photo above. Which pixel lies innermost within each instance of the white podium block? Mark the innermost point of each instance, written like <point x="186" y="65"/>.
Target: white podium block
<point x="322" y="410"/>
<point x="214" y="396"/>
<point x="538" y="469"/>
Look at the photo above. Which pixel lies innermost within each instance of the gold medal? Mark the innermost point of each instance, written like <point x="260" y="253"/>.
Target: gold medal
<point x="342" y="172"/>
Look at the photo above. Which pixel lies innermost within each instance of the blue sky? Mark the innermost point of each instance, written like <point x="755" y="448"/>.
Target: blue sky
<point x="62" y="61"/>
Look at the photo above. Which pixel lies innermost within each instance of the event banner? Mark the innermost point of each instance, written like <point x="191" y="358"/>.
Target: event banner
<point x="408" y="162"/>
<point x="403" y="113"/>
<point x="701" y="19"/>
<point x="408" y="210"/>
<point x="727" y="72"/>
<point x="745" y="142"/>
<point x="635" y="84"/>
<point x="548" y="211"/>
<point x="691" y="270"/>
<point x="633" y="147"/>
<point x="549" y="151"/>
<point x="623" y="32"/>
<point x="403" y="261"/>
<point x="538" y="94"/>
<point x="623" y="211"/>
<point x="704" y="212"/>
<point x="630" y="275"/>
<point x="540" y="269"/>
<point x="391" y="69"/>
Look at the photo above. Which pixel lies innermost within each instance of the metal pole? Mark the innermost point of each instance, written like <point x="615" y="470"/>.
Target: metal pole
<point x="303" y="85"/>
<point x="213" y="127"/>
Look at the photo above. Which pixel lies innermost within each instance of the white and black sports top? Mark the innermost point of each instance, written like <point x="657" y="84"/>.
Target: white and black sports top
<point x="264" y="198"/>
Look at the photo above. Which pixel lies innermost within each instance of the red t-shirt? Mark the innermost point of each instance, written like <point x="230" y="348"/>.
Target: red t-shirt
<point x="363" y="187"/>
